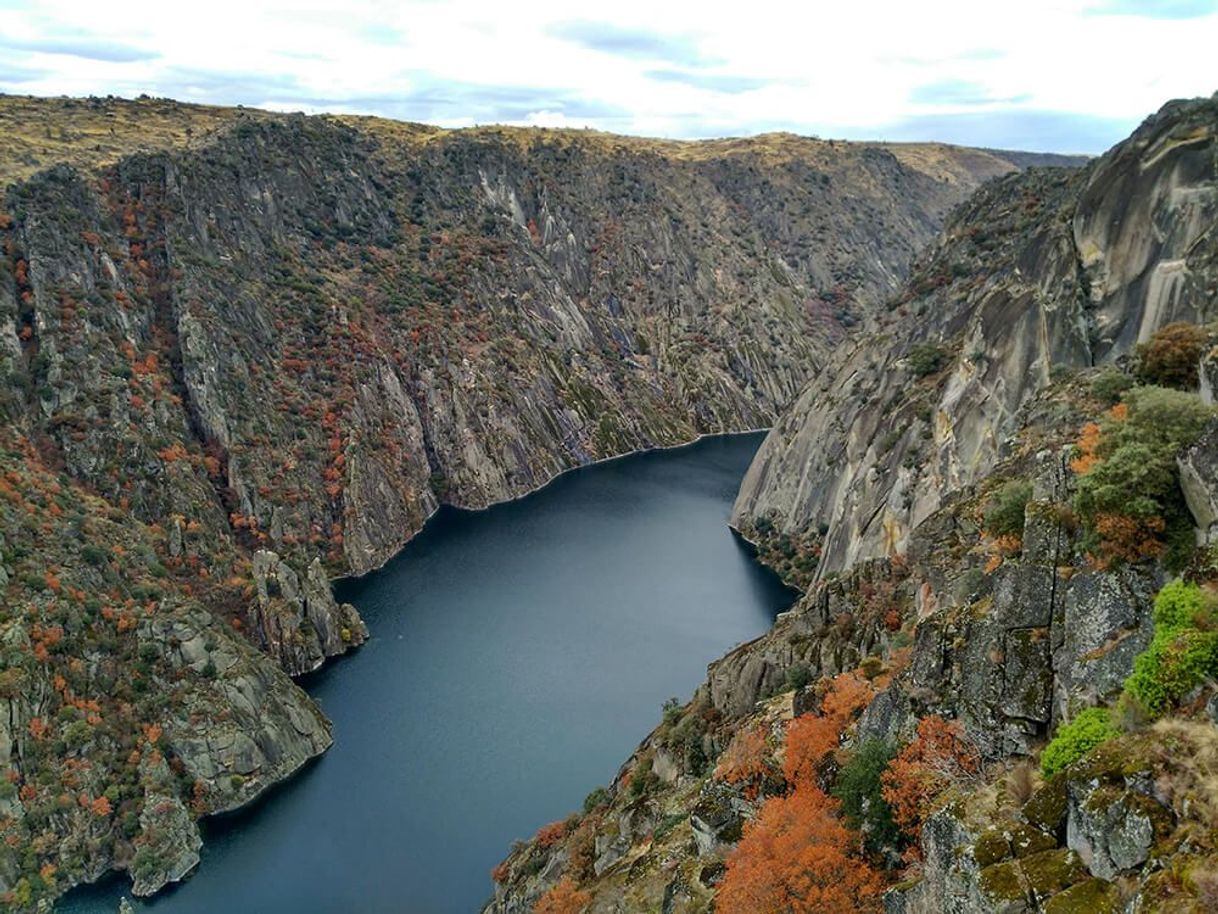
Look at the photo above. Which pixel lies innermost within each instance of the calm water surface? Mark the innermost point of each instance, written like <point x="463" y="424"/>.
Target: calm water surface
<point x="517" y="657"/>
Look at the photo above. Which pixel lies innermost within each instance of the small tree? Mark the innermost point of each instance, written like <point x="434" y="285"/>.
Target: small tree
<point x="1004" y="516"/>
<point x="564" y="898"/>
<point x="1172" y="355"/>
<point x="811" y="737"/>
<point x="925" y="359"/>
<point x="861" y="792"/>
<point x="940" y="755"/>
<point x="796" y="857"/>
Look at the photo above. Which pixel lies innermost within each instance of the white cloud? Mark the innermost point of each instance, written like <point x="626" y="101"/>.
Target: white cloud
<point x="861" y="69"/>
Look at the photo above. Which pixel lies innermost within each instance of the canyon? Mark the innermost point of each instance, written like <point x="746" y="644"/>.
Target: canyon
<point x="932" y="490"/>
<point x="245" y="353"/>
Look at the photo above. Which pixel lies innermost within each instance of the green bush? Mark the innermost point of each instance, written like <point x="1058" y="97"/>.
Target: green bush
<point x="1137" y="472"/>
<point x="1183" y="652"/>
<point x="861" y="793"/>
<point x="1110" y="384"/>
<point x="1005" y="514"/>
<point x="1133" y="489"/>
<point x="671" y="711"/>
<point x="1090" y="728"/>
<point x="94" y="555"/>
<point x="798" y="675"/>
<point x="925" y="359"/>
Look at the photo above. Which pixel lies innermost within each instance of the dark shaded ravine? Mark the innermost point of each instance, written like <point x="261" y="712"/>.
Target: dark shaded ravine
<point x="518" y="655"/>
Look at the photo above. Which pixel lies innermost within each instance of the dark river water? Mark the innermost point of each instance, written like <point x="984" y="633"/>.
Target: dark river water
<point x="518" y="655"/>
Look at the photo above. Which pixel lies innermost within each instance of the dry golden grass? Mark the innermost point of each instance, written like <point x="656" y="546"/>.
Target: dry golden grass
<point x="36" y="133"/>
<point x="1186" y="753"/>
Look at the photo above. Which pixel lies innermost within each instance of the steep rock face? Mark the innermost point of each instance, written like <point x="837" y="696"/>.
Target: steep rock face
<point x="305" y="334"/>
<point x="1038" y="271"/>
<point x="300" y="619"/>
<point x="127" y="708"/>
<point x="242" y="353"/>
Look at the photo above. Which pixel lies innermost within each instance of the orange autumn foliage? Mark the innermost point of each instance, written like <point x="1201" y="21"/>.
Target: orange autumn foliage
<point x="1002" y="548"/>
<point x="564" y="898"/>
<point x="549" y="835"/>
<point x="810" y="737"/>
<point x="1128" y="539"/>
<point x="1086" y="447"/>
<point x="746" y="757"/>
<point x="940" y="755"/>
<point x="797" y="857"/>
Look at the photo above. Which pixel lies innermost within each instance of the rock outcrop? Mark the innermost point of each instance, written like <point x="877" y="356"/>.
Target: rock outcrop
<point x="1039" y="272"/>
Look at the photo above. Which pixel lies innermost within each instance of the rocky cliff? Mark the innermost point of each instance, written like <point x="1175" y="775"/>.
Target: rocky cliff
<point x="1042" y="271"/>
<point x="980" y="683"/>
<point x="242" y="353"/>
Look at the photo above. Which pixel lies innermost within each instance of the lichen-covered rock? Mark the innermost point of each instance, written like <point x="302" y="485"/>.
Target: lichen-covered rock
<point x="1112" y="829"/>
<point x="716" y="818"/>
<point x="1092" y="896"/>
<point x="1046" y="808"/>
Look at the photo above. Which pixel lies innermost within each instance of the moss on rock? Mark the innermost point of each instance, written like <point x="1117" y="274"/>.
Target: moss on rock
<point x="1094" y="896"/>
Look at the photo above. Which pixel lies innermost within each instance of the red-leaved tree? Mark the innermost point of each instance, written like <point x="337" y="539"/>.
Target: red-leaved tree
<point x="797" y="857"/>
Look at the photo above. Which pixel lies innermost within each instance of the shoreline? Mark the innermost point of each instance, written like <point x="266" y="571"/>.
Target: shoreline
<point x="637" y="452"/>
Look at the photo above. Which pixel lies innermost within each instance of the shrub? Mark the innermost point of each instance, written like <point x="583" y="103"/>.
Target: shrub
<point x="1005" y="514"/>
<point x="596" y="799"/>
<point x="860" y="790"/>
<point x="643" y="780"/>
<point x="746" y="759"/>
<point x="1172" y="355"/>
<point x="1110" y="384"/>
<point x="925" y="359"/>
<point x="1183" y="651"/>
<point x="94" y="555"/>
<point x="671" y="711"/>
<point x="564" y="898"/>
<point x="798" y="675"/>
<point x="1090" y="728"/>
<point x="1128" y="492"/>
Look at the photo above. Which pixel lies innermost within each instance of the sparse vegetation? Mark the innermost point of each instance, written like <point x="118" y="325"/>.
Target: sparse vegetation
<point x="926" y="359"/>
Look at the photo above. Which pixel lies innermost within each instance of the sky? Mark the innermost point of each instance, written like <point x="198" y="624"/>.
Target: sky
<point x="1073" y="76"/>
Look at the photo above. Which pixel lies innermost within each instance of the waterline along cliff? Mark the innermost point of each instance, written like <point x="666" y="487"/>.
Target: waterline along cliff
<point x="243" y="353"/>
<point x="997" y="692"/>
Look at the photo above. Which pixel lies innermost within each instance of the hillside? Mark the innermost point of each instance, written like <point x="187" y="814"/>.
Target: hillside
<point x="244" y="353"/>
<point x="997" y="693"/>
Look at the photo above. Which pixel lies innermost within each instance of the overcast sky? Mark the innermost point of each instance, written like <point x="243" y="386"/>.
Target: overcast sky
<point x="1071" y="76"/>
